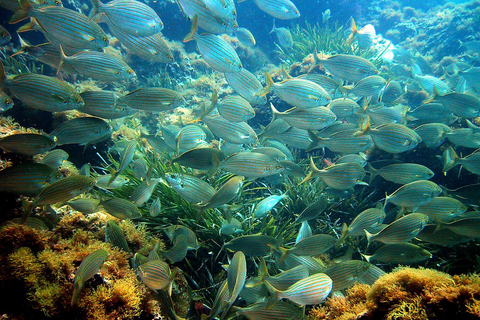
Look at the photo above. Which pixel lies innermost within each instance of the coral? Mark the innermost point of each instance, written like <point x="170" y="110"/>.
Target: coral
<point x="407" y="293"/>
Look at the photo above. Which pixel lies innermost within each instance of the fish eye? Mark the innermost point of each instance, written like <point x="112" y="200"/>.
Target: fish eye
<point x="224" y="24"/>
<point x="105" y="39"/>
<point x="117" y="72"/>
<point x="4" y="35"/>
<point x="234" y="12"/>
<point x="97" y="131"/>
<point x="130" y="71"/>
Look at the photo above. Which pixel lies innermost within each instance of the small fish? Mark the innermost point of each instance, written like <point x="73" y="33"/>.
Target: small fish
<point x="250" y="165"/>
<point x="174" y="231"/>
<point x="465" y="137"/>
<point x="346" y="273"/>
<point x="298" y="92"/>
<point x="279" y="9"/>
<point x="284" y="36"/>
<point x="316" y="118"/>
<point x="245" y="37"/>
<point x="443" y="209"/>
<point x="65" y="26"/>
<point x="345" y="141"/>
<point x="96" y="65"/>
<point x="280" y="310"/>
<point x="465" y="227"/>
<point x="234" y="132"/>
<point x="291" y="168"/>
<point x="190" y="137"/>
<point x="381" y="114"/>
<point x="401" y="253"/>
<point x="121" y="208"/>
<point x="178" y="251"/>
<point x="155" y="208"/>
<point x="27" y="144"/>
<point x="42" y="92"/>
<point x="310" y="290"/>
<point x="267" y="204"/>
<point x="5" y="36"/>
<point x="6" y="103"/>
<point x="170" y="134"/>
<point x="287" y="278"/>
<point x="106" y="182"/>
<point x="125" y="160"/>
<point x="218" y="53"/>
<point x="152" y="99"/>
<point x="246" y="85"/>
<point x="144" y="191"/>
<point x="311" y="246"/>
<point x="430" y="83"/>
<point x="471" y="162"/>
<point x="224" y="10"/>
<point x="83" y="131"/>
<point x="342" y="176"/>
<point x="27" y="179"/>
<point x="358" y="158"/>
<point x="461" y="104"/>
<point x="236" y="275"/>
<point x="392" y="92"/>
<point x="326" y="15"/>
<point x="344" y="107"/>
<point x="84" y="205"/>
<point x="365" y="36"/>
<point x="157" y="143"/>
<point x="369" y="86"/>
<point x="87" y="269"/>
<point x="115" y="236"/>
<point x="368" y="220"/>
<point x="232" y="226"/>
<point x="55" y="158"/>
<point x="157" y="275"/>
<point x="207" y="19"/>
<point x="235" y="109"/>
<point x="401" y="230"/>
<point x="190" y="188"/>
<point x="414" y="194"/>
<point x="226" y="193"/>
<point x="443" y="237"/>
<point x="220" y="300"/>
<point x="313" y="210"/>
<point x="348" y="67"/>
<point x="200" y="158"/>
<point x="130" y="16"/>
<point x="272" y="152"/>
<point x="331" y="85"/>
<point x="401" y="173"/>
<point x="140" y="169"/>
<point x="253" y="245"/>
<point x="471" y="45"/>
<point x="433" y="134"/>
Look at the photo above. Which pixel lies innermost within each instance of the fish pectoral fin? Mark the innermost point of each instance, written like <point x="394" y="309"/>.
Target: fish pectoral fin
<point x="59" y="98"/>
<point x="88" y="37"/>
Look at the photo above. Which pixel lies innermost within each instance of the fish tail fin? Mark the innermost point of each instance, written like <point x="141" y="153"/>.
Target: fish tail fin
<point x="284" y="253"/>
<point x="262" y="269"/>
<point x="373" y="172"/>
<point x="354" y="30"/>
<point x="213" y="103"/>
<point x="365" y="128"/>
<point x="172" y="276"/>
<point x="366" y="257"/>
<point x="29" y="26"/>
<point x="63" y="57"/>
<point x="369" y="237"/>
<point x="275" y="112"/>
<point x="193" y="29"/>
<point x="461" y="43"/>
<point x="78" y="286"/>
<point x="95" y="5"/>
<point x="214" y="168"/>
<point x="273" y="28"/>
<point x="342" y="236"/>
<point x="27" y="209"/>
<point x="313" y="169"/>
<point x="3" y="74"/>
<point x="269" y="82"/>
<point x="22" y="13"/>
<point x="113" y="175"/>
<point x="387" y="197"/>
<point x="315" y="141"/>
<point x="23" y="46"/>
<point x="451" y="159"/>
<point x="435" y="94"/>
<point x="274" y="295"/>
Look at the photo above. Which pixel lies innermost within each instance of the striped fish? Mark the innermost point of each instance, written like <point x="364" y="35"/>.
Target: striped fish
<point x="178" y="251"/>
<point x="401" y="253"/>
<point x="465" y="227"/>
<point x="311" y="246"/>
<point x="155" y="208"/>
<point x="368" y="220"/>
<point x="414" y="194"/>
<point x="461" y="104"/>
<point x="207" y="20"/>
<point x="433" y="134"/>
<point x="226" y="193"/>
<point x="342" y="176"/>
<point x="285" y="279"/>
<point x="65" y="26"/>
<point x="298" y="92"/>
<point x="219" y="302"/>
<point x="313" y="210"/>
<point x="332" y="86"/>
<point x="443" y="209"/>
<point x="251" y="165"/>
<point x="252" y="245"/>
<point x="27" y="144"/>
<point x="84" y="205"/>
<point x="280" y="310"/>
<point x="346" y="273"/>
<point x="218" y="53"/>
<point x="234" y="132"/>
<point x="392" y="92"/>
<point x="401" y="173"/>
<point x="245" y="37"/>
<point x="103" y="104"/>
<point x="153" y="48"/>
<point x="222" y="9"/>
<point x="106" y="182"/>
<point x="267" y="204"/>
<point x="284" y="36"/>
<point x="310" y="290"/>
<point x="170" y="134"/>
<point x="359" y="158"/>
<point x="55" y="158"/>
<point x="380" y="114"/>
<point x="272" y="152"/>
<point x="63" y="190"/>
<point x="157" y="143"/>
<point x="27" y="179"/>
<point x="294" y="137"/>
<point x="121" y="208"/>
<point x="471" y="162"/>
<point x="393" y="137"/>
<point x="236" y="275"/>
<point x="125" y="160"/>
<point x="431" y="112"/>
<point x="115" y="236"/>
<point x="200" y="158"/>
<point x="87" y="269"/>
<point x="140" y="169"/>
<point x="6" y="102"/>
<point x="365" y="36"/>
<point x="156" y="275"/>
<point x="143" y="192"/>
<point x="280" y="9"/>
<point x="174" y="231"/>
<point x="190" y="137"/>
<point x="401" y="230"/>
<point x="443" y="237"/>
<point x="82" y="131"/>
<point x="130" y="16"/>
<point x="369" y="86"/>
<point x="42" y="92"/>
<point x="190" y="188"/>
<point x="246" y="85"/>
<point x="307" y="119"/>
<point x="274" y="128"/>
<point x="430" y="83"/>
<point x="235" y="109"/>
<point x="97" y="65"/>
<point x="344" y="107"/>
<point x="152" y="99"/>
<point x="348" y="67"/>
<point x="313" y="265"/>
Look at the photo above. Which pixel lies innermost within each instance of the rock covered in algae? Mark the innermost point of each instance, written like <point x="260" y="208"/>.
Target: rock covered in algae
<point x="407" y="293"/>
